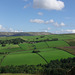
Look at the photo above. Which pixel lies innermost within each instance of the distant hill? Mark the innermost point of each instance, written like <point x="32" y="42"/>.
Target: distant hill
<point x="23" y="33"/>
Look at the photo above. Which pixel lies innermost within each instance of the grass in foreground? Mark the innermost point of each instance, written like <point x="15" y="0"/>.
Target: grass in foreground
<point x="22" y="59"/>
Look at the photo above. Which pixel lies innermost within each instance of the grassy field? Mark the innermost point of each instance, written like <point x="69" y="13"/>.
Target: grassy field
<point x="57" y="43"/>
<point x="1" y="56"/>
<point x="55" y="54"/>
<point x="11" y="50"/>
<point x="41" y="45"/>
<point x="8" y="46"/>
<point x="26" y="46"/>
<point x="21" y="54"/>
<point x="70" y="49"/>
<point x="22" y="59"/>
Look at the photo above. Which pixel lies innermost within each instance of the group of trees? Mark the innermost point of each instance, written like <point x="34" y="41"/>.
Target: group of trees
<point x="55" y="67"/>
<point x="44" y="40"/>
<point x="11" y="41"/>
<point x="19" y="40"/>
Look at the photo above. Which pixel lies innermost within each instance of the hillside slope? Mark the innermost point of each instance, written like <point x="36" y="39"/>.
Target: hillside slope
<point x="23" y="33"/>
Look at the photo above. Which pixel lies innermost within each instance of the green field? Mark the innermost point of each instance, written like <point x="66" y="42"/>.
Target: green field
<point x="55" y="54"/>
<point x="41" y="45"/>
<point x="8" y="46"/>
<point x="22" y="59"/>
<point x="1" y="56"/>
<point x="26" y="46"/>
<point x="21" y="54"/>
<point x="57" y="44"/>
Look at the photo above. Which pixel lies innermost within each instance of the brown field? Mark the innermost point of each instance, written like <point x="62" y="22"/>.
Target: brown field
<point x="70" y="49"/>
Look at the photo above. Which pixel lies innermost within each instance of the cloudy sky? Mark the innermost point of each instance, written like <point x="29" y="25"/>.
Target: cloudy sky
<point x="55" y="16"/>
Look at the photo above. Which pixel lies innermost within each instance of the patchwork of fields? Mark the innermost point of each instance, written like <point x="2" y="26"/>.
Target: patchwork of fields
<point x="37" y="49"/>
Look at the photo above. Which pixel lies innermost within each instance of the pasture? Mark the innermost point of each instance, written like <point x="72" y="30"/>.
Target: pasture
<point x="55" y="54"/>
<point x="22" y="53"/>
<point x="22" y="59"/>
<point x="57" y="43"/>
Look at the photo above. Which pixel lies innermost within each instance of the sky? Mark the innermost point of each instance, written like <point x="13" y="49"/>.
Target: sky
<point x="55" y="16"/>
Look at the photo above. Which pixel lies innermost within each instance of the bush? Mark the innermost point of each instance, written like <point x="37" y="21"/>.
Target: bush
<point x="35" y="51"/>
<point x="3" y="45"/>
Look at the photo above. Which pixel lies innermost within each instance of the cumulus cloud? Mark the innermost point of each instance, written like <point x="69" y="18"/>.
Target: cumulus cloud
<point x="69" y="31"/>
<point x="47" y="22"/>
<point x="37" y="21"/>
<point x="12" y="30"/>
<point x="49" y="4"/>
<point x="50" y="21"/>
<point x="46" y="30"/>
<point x="4" y="29"/>
<point x="62" y="24"/>
<point x="57" y="24"/>
<point x="40" y="13"/>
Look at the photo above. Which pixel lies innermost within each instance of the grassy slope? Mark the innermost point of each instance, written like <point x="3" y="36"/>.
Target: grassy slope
<point x="55" y="54"/>
<point x="57" y="44"/>
<point x="11" y="50"/>
<point x="41" y="45"/>
<point x="21" y="59"/>
<point x="8" y="46"/>
<point x="26" y="46"/>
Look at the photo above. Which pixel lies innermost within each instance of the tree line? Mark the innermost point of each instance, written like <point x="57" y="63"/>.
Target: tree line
<point x="55" y="67"/>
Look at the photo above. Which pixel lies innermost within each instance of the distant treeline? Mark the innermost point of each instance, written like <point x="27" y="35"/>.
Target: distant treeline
<point x="55" y="67"/>
<point x="12" y="41"/>
<point x="19" y="40"/>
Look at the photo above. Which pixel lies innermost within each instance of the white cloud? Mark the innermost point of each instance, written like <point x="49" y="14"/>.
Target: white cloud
<point x="49" y="4"/>
<point x="3" y="29"/>
<point x="69" y="30"/>
<point x="56" y="24"/>
<point x="51" y="21"/>
<point x="40" y="13"/>
<point x="62" y="24"/>
<point x="37" y="21"/>
<point x="12" y="30"/>
<point x="47" y="22"/>
<point x="46" y="30"/>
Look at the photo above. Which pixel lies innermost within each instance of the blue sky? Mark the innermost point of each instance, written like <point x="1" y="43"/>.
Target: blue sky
<point x="55" y="16"/>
